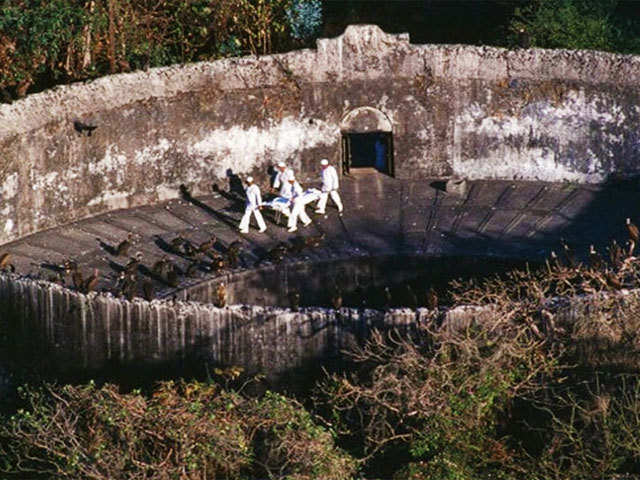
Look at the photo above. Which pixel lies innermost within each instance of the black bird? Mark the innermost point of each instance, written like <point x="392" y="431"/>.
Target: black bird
<point x="412" y="299"/>
<point x="148" y="290"/>
<point x="91" y="282"/>
<point x="184" y="191"/>
<point x="336" y="299"/>
<point x="294" y="300"/>
<point x="192" y="269"/>
<point x="122" y="250"/>
<point x="160" y="266"/>
<point x="207" y="245"/>
<point x="84" y="127"/>
<point x="615" y="254"/>
<point x="387" y="298"/>
<point x="569" y="256"/>
<point x="176" y="244"/>
<point x="524" y="39"/>
<point x="432" y="299"/>
<point x="595" y="259"/>
<point x="134" y="263"/>
<point x="172" y="277"/>
<point x="78" y="281"/>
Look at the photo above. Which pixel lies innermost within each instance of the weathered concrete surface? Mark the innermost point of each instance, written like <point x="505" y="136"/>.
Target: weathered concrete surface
<point x="384" y="216"/>
<point x="475" y="112"/>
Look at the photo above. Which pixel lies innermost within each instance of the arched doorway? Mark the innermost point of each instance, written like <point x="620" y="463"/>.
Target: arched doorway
<point x="367" y="141"/>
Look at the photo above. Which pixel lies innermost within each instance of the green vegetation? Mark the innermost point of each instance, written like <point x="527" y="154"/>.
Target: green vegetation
<point x="49" y="42"/>
<point x="44" y="42"/>
<point x="520" y="389"/>
<point x="185" y="430"/>
<point x="577" y="24"/>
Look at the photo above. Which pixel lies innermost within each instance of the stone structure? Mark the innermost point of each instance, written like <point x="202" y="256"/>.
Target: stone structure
<point x="473" y="112"/>
<point x="452" y="111"/>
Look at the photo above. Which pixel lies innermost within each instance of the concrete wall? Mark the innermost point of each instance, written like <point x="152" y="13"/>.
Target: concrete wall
<point x="453" y="110"/>
<point x="65" y="332"/>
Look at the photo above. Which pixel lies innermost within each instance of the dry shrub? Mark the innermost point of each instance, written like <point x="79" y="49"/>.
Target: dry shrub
<point x="183" y="431"/>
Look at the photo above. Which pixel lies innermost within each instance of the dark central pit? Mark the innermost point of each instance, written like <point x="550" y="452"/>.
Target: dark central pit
<point x="378" y="282"/>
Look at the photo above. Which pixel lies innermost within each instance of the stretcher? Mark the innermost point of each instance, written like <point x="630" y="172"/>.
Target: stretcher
<point x="283" y="205"/>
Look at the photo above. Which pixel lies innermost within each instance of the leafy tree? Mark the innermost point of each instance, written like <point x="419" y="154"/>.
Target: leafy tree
<point x="575" y="24"/>
<point x="305" y="19"/>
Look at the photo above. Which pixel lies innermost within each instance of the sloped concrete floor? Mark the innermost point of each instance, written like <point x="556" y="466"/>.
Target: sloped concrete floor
<point x="383" y="215"/>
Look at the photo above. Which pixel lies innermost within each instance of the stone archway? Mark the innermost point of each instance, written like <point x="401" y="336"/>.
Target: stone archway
<point x="367" y="141"/>
<point x="366" y="119"/>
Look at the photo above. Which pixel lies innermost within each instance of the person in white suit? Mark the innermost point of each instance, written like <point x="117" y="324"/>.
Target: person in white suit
<point x="281" y="181"/>
<point x="295" y="193"/>
<point x="329" y="187"/>
<point x="252" y="205"/>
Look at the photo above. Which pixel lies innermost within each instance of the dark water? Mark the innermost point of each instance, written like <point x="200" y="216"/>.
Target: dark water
<point x="365" y="282"/>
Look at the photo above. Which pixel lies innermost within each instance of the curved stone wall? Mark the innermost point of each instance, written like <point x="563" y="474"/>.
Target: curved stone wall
<point x="58" y="331"/>
<point x="453" y="110"/>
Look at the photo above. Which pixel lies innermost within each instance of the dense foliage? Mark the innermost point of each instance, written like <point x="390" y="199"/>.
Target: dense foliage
<point x="54" y="41"/>
<point x="578" y="24"/>
<point x="517" y="390"/>
<point x="48" y="42"/>
<point x="185" y="430"/>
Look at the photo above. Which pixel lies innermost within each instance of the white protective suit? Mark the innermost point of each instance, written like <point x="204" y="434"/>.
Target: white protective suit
<point x="295" y="193"/>
<point x="329" y="187"/>
<point x="282" y="179"/>
<point x="252" y="205"/>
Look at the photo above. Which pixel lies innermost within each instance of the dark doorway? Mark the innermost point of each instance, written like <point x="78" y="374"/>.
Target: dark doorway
<point x="368" y="150"/>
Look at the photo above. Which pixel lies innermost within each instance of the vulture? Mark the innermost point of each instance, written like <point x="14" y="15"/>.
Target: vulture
<point x="91" y="282"/>
<point x="634" y="233"/>
<point x="122" y="250"/>
<point x="432" y="299"/>
<point x="221" y="295"/>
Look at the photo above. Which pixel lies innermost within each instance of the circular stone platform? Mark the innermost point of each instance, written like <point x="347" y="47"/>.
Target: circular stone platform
<point x="383" y="216"/>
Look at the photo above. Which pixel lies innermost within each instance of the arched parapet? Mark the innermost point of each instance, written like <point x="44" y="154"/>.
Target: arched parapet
<point x="366" y="119"/>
